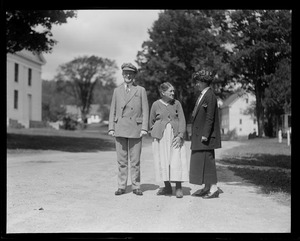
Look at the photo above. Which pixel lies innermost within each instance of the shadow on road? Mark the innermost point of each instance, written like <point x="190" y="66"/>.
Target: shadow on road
<point x="59" y="143"/>
<point x="144" y="187"/>
<point x="150" y="187"/>
<point x="279" y="160"/>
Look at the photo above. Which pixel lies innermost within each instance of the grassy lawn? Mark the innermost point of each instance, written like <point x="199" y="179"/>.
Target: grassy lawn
<point x="262" y="152"/>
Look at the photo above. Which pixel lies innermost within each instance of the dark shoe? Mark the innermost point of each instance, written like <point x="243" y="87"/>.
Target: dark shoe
<point x="120" y="191"/>
<point x="202" y="193"/>
<point x="179" y="193"/>
<point x="164" y="191"/>
<point x="137" y="192"/>
<point x="212" y="195"/>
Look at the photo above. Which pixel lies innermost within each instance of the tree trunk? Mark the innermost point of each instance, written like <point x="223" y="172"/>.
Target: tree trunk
<point x="259" y="111"/>
<point x="84" y="114"/>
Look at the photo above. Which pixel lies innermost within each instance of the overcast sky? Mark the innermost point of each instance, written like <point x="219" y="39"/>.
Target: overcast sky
<point x="114" y="34"/>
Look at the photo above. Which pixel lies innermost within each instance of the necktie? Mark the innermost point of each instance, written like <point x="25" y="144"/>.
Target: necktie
<point x="127" y="89"/>
<point x="196" y="106"/>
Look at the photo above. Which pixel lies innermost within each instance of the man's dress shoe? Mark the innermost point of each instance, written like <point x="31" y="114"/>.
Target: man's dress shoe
<point x="120" y="191"/>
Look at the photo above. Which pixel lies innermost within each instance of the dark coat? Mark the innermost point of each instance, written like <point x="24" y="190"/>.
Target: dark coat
<point x="206" y="123"/>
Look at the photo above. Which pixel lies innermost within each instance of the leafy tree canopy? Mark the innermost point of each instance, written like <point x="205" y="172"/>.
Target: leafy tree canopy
<point x="181" y="42"/>
<point x="31" y="29"/>
<point x="80" y="76"/>
<point x="261" y="40"/>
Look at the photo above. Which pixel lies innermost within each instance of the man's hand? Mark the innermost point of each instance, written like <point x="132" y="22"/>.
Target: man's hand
<point x="111" y="133"/>
<point x="143" y="133"/>
<point x="203" y="139"/>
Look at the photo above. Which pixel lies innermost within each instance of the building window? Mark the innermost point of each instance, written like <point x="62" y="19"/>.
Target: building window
<point x="240" y="121"/>
<point x="16" y="72"/>
<point x="16" y="99"/>
<point x="29" y="76"/>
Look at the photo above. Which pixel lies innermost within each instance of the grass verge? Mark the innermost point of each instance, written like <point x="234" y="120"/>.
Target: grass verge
<point x="260" y="153"/>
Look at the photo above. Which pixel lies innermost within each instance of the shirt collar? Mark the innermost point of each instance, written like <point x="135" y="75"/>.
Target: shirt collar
<point x="204" y="91"/>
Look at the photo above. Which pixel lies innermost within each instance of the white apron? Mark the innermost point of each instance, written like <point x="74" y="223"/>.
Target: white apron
<point x="171" y="164"/>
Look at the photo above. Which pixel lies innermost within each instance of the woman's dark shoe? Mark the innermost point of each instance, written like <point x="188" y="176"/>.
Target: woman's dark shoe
<point x="211" y="195"/>
<point x="179" y="193"/>
<point x="203" y="192"/>
<point x="164" y="191"/>
<point x="137" y="192"/>
<point x="120" y="191"/>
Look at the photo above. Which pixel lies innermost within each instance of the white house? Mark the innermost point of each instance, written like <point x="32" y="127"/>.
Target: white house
<point x="24" y="88"/>
<point x="235" y="114"/>
<point x="94" y="115"/>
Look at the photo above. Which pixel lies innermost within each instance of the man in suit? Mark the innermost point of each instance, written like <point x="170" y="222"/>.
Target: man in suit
<point x="128" y="123"/>
<point x="206" y="137"/>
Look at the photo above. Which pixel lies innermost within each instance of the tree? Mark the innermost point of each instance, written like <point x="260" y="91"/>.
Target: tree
<point x="52" y="108"/>
<point x="181" y="42"/>
<point x="261" y="38"/>
<point x="80" y="76"/>
<point x="278" y="95"/>
<point x="31" y="29"/>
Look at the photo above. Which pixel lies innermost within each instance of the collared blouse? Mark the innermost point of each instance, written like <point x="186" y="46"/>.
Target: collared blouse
<point x="162" y="114"/>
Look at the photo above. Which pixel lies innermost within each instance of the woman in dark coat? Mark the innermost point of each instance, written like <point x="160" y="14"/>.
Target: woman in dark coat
<point x="206" y="137"/>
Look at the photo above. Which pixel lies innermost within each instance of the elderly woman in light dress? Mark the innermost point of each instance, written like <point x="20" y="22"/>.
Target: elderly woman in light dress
<point x="168" y="126"/>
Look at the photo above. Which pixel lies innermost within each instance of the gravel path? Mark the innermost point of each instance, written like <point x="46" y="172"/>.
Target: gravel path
<point x="65" y="192"/>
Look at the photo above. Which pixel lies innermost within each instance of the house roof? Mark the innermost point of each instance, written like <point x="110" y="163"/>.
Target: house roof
<point x="232" y="98"/>
<point x="32" y="56"/>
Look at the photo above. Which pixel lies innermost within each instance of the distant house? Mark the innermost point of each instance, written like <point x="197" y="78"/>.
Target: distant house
<point x="236" y="116"/>
<point x="24" y="88"/>
<point x="94" y="115"/>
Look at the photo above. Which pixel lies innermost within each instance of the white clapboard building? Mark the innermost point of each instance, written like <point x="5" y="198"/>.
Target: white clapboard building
<point x="24" y="88"/>
<point x="236" y="115"/>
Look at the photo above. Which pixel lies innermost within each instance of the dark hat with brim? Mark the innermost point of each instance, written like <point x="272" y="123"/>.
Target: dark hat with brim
<point x="203" y="76"/>
<point x="129" y="66"/>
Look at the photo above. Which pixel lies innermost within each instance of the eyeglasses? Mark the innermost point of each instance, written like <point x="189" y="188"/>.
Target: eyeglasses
<point x="128" y="73"/>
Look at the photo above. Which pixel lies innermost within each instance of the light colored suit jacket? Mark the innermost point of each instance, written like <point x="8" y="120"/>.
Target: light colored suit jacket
<point x="129" y="112"/>
<point x="206" y="123"/>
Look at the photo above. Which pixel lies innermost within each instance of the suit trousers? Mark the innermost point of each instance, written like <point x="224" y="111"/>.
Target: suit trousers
<point x="128" y="148"/>
<point x="203" y="167"/>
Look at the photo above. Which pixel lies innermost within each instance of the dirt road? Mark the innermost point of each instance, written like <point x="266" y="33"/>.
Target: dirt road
<point x="65" y="192"/>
